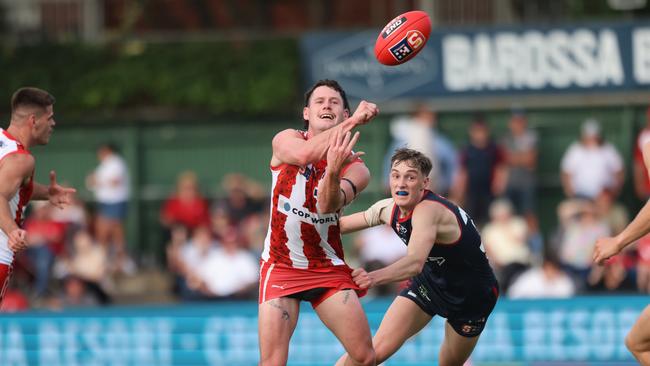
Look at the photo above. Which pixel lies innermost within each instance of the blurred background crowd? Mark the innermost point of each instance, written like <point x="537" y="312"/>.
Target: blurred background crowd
<point x="166" y="110"/>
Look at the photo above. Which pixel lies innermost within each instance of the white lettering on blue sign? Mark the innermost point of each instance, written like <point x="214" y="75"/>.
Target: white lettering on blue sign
<point x="641" y="55"/>
<point x="532" y="60"/>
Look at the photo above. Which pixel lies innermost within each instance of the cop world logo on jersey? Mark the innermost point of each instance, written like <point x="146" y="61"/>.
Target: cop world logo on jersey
<point x="304" y="215"/>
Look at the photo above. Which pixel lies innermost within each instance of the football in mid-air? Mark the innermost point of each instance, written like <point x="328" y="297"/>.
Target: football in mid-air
<point x="402" y="38"/>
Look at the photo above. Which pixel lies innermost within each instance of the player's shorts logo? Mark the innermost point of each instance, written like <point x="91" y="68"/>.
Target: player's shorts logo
<point x="414" y="39"/>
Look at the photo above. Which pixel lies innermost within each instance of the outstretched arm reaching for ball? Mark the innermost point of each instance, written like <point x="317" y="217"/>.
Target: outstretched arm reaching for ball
<point x="290" y="147"/>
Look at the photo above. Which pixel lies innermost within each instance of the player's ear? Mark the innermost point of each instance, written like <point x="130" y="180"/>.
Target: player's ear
<point x="426" y="183"/>
<point x="305" y="113"/>
<point x="346" y="113"/>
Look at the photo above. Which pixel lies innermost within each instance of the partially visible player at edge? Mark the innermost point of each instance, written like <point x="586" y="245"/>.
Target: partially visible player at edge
<point x="638" y="339"/>
<point x="315" y="174"/>
<point x="32" y="123"/>
<point x="449" y="273"/>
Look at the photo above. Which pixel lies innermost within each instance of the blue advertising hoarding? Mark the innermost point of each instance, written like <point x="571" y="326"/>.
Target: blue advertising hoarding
<point x="494" y="61"/>
<point x="584" y="331"/>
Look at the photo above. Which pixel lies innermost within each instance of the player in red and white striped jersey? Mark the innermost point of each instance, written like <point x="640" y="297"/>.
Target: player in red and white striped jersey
<point x="32" y="122"/>
<point x="315" y="174"/>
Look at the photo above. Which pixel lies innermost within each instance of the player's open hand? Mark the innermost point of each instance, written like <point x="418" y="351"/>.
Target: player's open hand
<point x="361" y="278"/>
<point x="17" y="240"/>
<point x="605" y="248"/>
<point x="59" y="195"/>
<point x="365" y="112"/>
<point x="340" y="150"/>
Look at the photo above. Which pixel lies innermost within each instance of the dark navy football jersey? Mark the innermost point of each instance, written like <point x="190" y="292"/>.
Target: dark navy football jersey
<point x="455" y="271"/>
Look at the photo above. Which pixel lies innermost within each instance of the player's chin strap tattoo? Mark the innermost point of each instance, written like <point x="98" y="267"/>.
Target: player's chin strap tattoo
<point x="285" y="313"/>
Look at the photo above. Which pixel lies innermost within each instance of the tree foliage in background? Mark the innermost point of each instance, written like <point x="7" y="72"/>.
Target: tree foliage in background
<point x="233" y="79"/>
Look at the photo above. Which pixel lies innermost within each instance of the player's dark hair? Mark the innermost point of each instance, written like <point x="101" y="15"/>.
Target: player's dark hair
<point x="331" y="84"/>
<point x="31" y="97"/>
<point x="413" y="158"/>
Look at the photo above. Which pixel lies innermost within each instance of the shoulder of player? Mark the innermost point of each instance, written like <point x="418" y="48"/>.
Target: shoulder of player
<point x="18" y="162"/>
<point x="286" y="134"/>
<point x="429" y="211"/>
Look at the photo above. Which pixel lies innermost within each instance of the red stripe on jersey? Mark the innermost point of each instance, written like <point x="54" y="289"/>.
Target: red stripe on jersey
<point x="308" y="233"/>
<point x="312" y="249"/>
<point x="24" y="195"/>
<point x="284" y="185"/>
<point x="334" y="240"/>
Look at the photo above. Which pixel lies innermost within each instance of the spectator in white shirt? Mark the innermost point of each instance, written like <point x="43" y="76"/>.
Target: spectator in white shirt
<point x="546" y="281"/>
<point x="110" y="184"/>
<point x="591" y="165"/>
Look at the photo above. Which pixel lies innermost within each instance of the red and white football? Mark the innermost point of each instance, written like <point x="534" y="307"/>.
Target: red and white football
<point x="402" y="38"/>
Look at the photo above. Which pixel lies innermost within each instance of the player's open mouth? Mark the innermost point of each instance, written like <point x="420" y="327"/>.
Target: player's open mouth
<point x="327" y="116"/>
<point x="402" y="193"/>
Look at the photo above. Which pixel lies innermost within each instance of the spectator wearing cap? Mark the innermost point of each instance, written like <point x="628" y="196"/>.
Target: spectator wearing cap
<point x="591" y="165"/>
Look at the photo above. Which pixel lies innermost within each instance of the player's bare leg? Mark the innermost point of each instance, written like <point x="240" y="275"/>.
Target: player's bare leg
<point x="343" y="314"/>
<point x="276" y="323"/>
<point x="402" y="320"/>
<point x="638" y="339"/>
<point x="455" y="348"/>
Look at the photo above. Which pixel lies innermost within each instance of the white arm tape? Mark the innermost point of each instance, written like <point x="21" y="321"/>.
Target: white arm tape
<point x="373" y="213"/>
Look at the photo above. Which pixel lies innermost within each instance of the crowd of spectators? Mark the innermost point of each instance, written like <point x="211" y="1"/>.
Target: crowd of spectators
<point x="213" y="242"/>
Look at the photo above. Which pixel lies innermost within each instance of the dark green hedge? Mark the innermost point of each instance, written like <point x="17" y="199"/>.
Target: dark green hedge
<point x="255" y="78"/>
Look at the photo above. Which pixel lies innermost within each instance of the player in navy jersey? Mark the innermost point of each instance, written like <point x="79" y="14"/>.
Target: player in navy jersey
<point x="449" y="273"/>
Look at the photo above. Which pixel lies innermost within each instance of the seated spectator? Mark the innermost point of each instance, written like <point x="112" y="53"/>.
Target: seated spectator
<point x="504" y="237"/>
<point x="89" y="263"/>
<point x="189" y="260"/>
<point x="379" y="247"/>
<point x="230" y="271"/>
<point x="186" y="206"/>
<point x="581" y="227"/>
<point x="545" y="281"/>
<point x="243" y="198"/>
<point x="76" y="294"/>
<point x="614" y="213"/>
<point x="253" y="230"/>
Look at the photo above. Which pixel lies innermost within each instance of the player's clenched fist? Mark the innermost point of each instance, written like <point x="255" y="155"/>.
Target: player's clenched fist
<point x="361" y="278"/>
<point x="365" y="112"/>
<point x="17" y="240"/>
